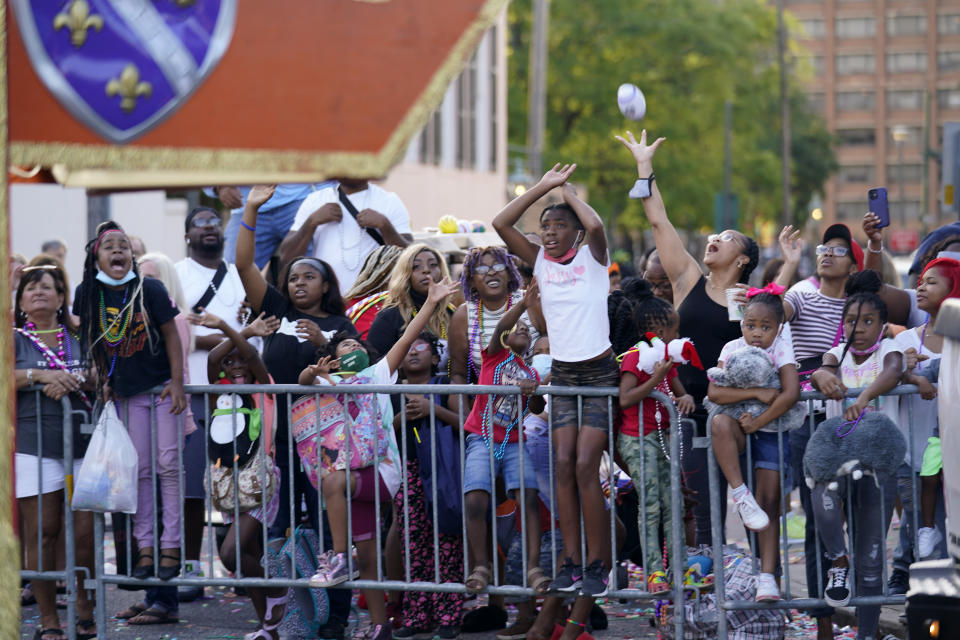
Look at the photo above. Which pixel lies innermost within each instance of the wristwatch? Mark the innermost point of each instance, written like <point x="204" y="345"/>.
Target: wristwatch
<point x="642" y="187"/>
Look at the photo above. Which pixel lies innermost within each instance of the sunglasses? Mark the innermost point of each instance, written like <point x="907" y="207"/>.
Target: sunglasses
<point x="482" y="270"/>
<point x="419" y="348"/>
<point x="205" y="222"/>
<point x="836" y="252"/>
<point x="726" y="236"/>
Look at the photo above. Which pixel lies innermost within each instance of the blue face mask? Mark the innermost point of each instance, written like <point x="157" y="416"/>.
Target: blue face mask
<point x="542" y="362"/>
<point x="113" y="282"/>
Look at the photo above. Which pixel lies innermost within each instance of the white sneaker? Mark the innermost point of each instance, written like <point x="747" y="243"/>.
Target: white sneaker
<point x="927" y="540"/>
<point x="754" y="518"/>
<point x="837" y="593"/>
<point x="767" y="589"/>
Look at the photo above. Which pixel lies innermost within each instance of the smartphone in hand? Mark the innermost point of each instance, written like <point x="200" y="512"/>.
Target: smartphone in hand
<point x="877" y="199"/>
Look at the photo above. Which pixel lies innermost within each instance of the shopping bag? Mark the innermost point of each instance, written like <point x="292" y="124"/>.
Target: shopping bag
<point x="107" y="480"/>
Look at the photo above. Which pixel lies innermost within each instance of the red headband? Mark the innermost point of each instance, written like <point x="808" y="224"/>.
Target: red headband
<point x="96" y="245"/>
<point x="950" y="268"/>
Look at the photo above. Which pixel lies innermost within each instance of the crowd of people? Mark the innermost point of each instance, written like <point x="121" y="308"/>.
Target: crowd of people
<point x="351" y="299"/>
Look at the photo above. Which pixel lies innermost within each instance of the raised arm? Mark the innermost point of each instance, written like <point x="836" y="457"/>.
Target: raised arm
<point x="897" y="300"/>
<point x="437" y="295"/>
<point x="516" y="242"/>
<point x="791" y="248"/>
<point x="253" y="281"/>
<point x="233" y="338"/>
<point x="510" y="318"/>
<point x="682" y="268"/>
<point x="592" y="224"/>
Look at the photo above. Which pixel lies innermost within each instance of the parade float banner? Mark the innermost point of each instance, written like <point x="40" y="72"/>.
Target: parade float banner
<point x="152" y="93"/>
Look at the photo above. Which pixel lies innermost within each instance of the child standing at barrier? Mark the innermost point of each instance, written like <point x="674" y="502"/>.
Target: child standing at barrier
<point x="127" y="325"/>
<point x="574" y="284"/>
<point x="348" y="354"/>
<point x="939" y="281"/>
<point x="421" y="613"/>
<point x="649" y="452"/>
<point x="236" y="361"/>
<point x="762" y="326"/>
<point x="875" y="364"/>
<point x="494" y="425"/>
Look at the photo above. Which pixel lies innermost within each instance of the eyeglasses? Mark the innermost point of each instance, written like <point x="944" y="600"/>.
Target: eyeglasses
<point x="483" y="269"/>
<point x="418" y="348"/>
<point x="726" y="236"/>
<point x="836" y="252"/>
<point x="658" y="284"/>
<point x="205" y="222"/>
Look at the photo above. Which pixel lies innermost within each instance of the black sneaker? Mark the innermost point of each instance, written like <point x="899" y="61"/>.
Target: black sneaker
<point x="448" y="631"/>
<point x="595" y="579"/>
<point x="837" y="593"/>
<point x="568" y="579"/>
<point x="899" y="583"/>
<point x="333" y="630"/>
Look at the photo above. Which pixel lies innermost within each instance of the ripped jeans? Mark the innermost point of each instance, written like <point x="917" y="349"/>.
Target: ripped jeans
<point x="871" y="510"/>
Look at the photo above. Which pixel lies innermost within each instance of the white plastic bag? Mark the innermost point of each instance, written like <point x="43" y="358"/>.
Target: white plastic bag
<point x="107" y="480"/>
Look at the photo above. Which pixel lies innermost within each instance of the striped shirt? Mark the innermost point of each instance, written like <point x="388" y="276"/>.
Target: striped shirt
<point x="815" y="323"/>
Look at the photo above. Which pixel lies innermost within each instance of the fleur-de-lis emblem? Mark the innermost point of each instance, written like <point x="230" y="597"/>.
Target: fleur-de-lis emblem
<point x="78" y="20"/>
<point x="129" y="87"/>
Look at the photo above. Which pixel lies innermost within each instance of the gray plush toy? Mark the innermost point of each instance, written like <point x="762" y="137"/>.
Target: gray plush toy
<point x="751" y="368"/>
<point x="874" y="446"/>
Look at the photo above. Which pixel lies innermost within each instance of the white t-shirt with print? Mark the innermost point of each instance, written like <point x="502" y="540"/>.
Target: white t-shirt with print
<point x="225" y="303"/>
<point x="781" y="352"/>
<point x="858" y="376"/>
<point x="924" y="413"/>
<point x="345" y="245"/>
<point x="574" y="301"/>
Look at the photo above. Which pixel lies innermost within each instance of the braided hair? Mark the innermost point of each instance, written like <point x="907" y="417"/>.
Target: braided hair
<point x="95" y="351"/>
<point x="651" y="312"/>
<point x="752" y="251"/>
<point x="862" y="288"/>
<point x="623" y="321"/>
<point x="514" y="281"/>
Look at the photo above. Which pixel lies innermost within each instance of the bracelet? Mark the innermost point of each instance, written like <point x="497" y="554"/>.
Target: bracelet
<point x="246" y="226"/>
<point x="574" y="622"/>
<point x="872" y="250"/>
<point x="29" y="376"/>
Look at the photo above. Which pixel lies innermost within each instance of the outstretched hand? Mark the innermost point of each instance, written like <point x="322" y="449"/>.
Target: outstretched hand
<point x="642" y="152"/>
<point x="260" y="194"/>
<point x="790" y="244"/>
<point x="557" y="175"/>
<point x="532" y="295"/>
<point x="440" y="290"/>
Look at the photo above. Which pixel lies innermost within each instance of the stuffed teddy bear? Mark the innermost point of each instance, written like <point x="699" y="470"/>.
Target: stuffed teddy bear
<point x="751" y="368"/>
<point x="872" y="445"/>
<point x="654" y="350"/>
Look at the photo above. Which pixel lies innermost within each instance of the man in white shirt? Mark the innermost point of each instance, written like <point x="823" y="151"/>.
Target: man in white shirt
<point x="340" y="239"/>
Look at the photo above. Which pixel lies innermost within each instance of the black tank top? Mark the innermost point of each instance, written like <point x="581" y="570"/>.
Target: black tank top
<point x="707" y="324"/>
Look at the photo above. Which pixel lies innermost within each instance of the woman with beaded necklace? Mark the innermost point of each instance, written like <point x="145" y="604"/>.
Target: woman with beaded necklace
<point x="48" y="354"/>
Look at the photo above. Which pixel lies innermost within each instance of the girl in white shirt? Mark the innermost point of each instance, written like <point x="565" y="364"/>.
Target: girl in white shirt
<point x="573" y="283"/>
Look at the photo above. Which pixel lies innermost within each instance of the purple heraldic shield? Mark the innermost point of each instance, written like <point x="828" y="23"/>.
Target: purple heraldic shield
<point x="122" y="66"/>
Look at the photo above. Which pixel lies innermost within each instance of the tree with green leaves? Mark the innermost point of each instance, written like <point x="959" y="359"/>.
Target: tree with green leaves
<point x="688" y="57"/>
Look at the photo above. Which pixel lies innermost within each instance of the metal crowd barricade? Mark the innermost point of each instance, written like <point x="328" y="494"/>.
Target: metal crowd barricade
<point x="69" y="572"/>
<point x="789" y="601"/>
<point x="381" y="581"/>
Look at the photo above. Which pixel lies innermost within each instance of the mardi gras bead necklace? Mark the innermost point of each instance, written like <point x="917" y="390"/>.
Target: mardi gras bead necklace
<point x="111" y="335"/>
<point x="477" y="333"/>
<point x="486" y="429"/>
<point x="54" y="360"/>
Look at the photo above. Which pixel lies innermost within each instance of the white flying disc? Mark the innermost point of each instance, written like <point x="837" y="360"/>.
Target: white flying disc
<point x="631" y="101"/>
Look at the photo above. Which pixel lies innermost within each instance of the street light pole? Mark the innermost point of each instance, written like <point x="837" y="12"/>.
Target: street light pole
<point x="536" y="118"/>
<point x="899" y="133"/>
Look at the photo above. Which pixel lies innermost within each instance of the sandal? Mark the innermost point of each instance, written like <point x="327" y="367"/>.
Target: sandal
<point x="538" y="580"/>
<point x="478" y="579"/>
<point x="154" y="616"/>
<point x="658" y="582"/>
<point x="86" y="626"/>
<point x="132" y="611"/>
<point x="53" y="633"/>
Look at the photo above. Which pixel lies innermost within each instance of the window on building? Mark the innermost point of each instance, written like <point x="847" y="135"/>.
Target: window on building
<point x="853" y="63"/>
<point x="855" y="100"/>
<point x="494" y="123"/>
<point x="856" y="27"/>
<point x="855" y="173"/>
<point x="904" y="99"/>
<point x="910" y="172"/>
<point x="813" y="27"/>
<point x="852" y="210"/>
<point x="906" y="62"/>
<point x="856" y="137"/>
<point x="431" y="148"/>
<point x="467" y="115"/>
<point x="912" y="136"/>
<point x="906" y="25"/>
<point x="815" y="101"/>
<point x="948" y="98"/>
<point x="948" y="60"/>
<point x="948" y="24"/>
